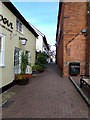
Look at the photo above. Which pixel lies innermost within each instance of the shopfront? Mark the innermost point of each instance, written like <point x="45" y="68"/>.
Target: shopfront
<point x="16" y="35"/>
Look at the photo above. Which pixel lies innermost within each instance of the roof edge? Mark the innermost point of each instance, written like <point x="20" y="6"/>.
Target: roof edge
<point x="13" y="9"/>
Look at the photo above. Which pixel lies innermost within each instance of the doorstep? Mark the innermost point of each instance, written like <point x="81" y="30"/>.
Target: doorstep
<point x="5" y="96"/>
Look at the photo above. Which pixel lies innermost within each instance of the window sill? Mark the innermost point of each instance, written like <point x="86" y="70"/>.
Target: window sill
<point x="19" y="32"/>
<point x="2" y="66"/>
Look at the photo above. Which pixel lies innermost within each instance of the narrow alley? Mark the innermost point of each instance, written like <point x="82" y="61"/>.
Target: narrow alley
<point x="46" y="96"/>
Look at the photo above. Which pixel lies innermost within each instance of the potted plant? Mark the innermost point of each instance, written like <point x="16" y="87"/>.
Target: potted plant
<point x="42" y="59"/>
<point x="37" y="69"/>
<point x="23" y="78"/>
<point x="34" y="69"/>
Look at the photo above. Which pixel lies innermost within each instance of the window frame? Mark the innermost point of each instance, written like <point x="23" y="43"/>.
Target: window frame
<point x="18" y="26"/>
<point x="2" y="50"/>
<point x="17" y="69"/>
<point x="27" y="69"/>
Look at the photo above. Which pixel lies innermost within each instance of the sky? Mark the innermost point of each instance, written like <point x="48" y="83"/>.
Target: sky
<point x="42" y="15"/>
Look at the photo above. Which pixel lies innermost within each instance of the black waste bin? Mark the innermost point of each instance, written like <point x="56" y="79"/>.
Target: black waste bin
<point x="74" y="68"/>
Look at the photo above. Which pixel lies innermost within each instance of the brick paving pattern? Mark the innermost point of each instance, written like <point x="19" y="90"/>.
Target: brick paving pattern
<point x="46" y="96"/>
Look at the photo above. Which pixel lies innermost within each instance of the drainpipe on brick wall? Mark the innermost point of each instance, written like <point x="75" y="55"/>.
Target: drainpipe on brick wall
<point x="88" y="41"/>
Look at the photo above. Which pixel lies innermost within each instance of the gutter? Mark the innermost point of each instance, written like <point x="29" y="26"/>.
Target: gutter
<point x="13" y="9"/>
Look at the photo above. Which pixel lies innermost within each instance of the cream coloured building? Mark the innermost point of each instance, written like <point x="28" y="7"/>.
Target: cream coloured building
<point x="13" y="29"/>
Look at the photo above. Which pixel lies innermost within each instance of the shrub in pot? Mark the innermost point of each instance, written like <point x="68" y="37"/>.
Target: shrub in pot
<point x="42" y="59"/>
<point x="34" y="67"/>
<point x="37" y="68"/>
<point x="23" y="78"/>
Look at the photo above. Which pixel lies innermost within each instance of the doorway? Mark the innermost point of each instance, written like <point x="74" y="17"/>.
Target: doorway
<point x="17" y="61"/>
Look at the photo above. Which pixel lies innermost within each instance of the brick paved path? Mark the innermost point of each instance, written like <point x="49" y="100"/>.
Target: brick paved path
<point x="47" y="96"/>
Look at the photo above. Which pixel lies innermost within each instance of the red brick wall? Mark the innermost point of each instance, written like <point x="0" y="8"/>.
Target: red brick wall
<point x="88" y="42"/>
<point x="74" y="50"/>
<point x="59" y="41"/>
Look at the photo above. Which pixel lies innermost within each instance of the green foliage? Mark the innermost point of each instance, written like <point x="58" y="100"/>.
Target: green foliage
<point x="37" y="67"/>
<point x="24" y="62"/>
<point x="41" y="59"/>
<point x="34" y="67"/>
<point x="40" y="68"/>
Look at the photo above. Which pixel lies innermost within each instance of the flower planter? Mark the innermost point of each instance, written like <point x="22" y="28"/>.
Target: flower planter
<point x="22" y="79"/>
<point x="41" y="71"/>
<point x="36" y="71"/>
<point x="23" y="82"/>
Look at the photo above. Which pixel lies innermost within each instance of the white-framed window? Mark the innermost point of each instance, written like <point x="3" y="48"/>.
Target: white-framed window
<point x="28" y="54"/>
<point x="2" y="44"/>
<point x="19" y="26"/>
<point x="17" y="60"/>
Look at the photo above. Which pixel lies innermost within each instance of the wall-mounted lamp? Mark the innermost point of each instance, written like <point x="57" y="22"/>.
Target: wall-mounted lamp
<point x="88" y="12"/>
<point x="85" y="32"/>
<point x="24" y="40"/>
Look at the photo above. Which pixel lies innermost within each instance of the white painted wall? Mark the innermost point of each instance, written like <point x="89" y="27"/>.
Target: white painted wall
<point x="39" y="43"/>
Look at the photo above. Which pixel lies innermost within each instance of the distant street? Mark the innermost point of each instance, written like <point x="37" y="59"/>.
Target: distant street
<point x="46" y="96"/>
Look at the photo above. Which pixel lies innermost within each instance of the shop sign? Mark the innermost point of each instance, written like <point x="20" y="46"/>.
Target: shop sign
<point x="6" y="21"/>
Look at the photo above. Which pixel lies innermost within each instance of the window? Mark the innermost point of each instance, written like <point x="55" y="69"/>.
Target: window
<point x="28" y="54"/>
<point x="19" y="27"/>
<point x="17" y="60"/>
<point x="16" y="57"/>
<point x="0" y="43"/>
<point x="2" y="40"/>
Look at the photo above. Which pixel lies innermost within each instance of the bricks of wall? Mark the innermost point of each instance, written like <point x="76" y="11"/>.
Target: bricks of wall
<point x="73" y="46"/>
<point x="88" y="42"/>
